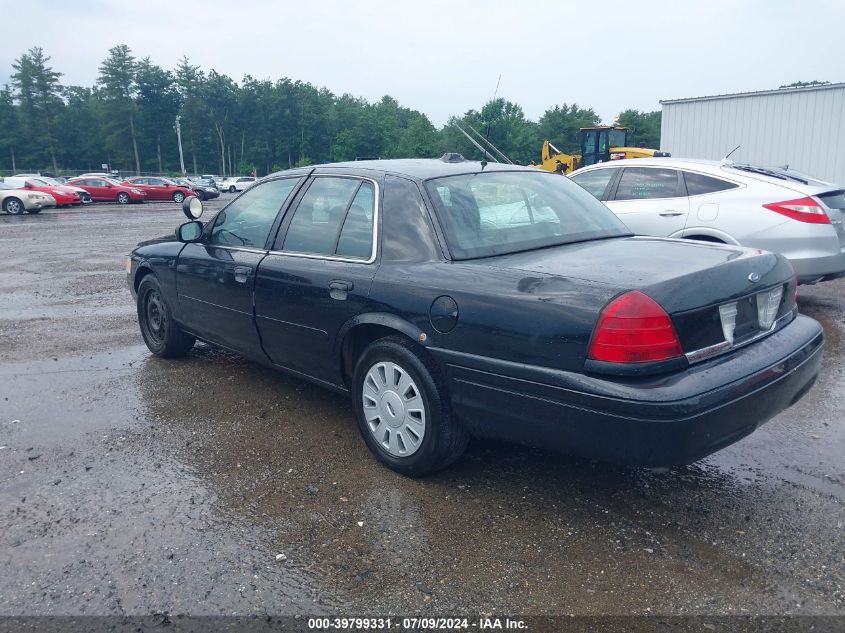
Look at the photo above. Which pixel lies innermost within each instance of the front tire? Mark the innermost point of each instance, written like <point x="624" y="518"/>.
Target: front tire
<point x="178" y="197"/>
<point x="403" y="410"/>
<point x="162" y="335"/>
<point x="123" y="198"/>
<point x="13" y="206"/>
<point x="232" y="189"/>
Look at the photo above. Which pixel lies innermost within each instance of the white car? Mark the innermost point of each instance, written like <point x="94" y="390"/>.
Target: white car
<point x="15" y="201"/>
<point x="236" y="183"/>
<point x="769" y="208"/>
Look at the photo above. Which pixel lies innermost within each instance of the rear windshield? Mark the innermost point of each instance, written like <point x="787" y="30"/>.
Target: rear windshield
<point x="834" y="199"/>
<point x="492" y="213"/>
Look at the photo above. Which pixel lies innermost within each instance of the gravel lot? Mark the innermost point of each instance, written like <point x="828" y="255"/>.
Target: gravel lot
<point x="133" y="485"/>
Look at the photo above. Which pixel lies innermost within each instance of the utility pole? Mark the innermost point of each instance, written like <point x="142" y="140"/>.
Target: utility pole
<point x="179" y="138"/>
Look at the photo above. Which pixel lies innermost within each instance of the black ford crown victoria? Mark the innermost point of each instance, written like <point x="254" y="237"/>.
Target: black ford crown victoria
<point x="453" y="298"/>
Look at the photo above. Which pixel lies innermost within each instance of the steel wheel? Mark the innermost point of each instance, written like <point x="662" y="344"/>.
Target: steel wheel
<point x="394" y="409"/>
<point x="13" y="206"/>
<point x="155" y="317"/>
<point x="123" y="198"/>
<point x="178" y="197"/>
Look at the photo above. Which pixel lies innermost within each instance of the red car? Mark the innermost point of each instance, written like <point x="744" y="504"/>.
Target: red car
<point x="65" y="196"/>
<point x="107" y="190"/>
<point x="160" y="188"/>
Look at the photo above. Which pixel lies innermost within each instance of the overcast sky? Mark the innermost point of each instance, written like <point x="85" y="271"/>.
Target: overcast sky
<point x="444" y="57"/>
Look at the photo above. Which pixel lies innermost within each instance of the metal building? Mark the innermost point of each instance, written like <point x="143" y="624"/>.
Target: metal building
<point x="801" y="127"/>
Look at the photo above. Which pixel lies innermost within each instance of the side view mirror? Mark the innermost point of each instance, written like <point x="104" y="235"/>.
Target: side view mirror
<point x="109" y="185"/>
<point x="189" y="231"/>
<point x="28" y="185"/>
<point x="192" y="208"/>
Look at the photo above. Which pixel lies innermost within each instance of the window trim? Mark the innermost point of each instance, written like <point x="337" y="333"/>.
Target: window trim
<point x="283" y="230"/>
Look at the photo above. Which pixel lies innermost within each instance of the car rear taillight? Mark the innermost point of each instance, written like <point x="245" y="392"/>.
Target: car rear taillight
<point x="633" y="328"/>
<point x="801" y="209"/>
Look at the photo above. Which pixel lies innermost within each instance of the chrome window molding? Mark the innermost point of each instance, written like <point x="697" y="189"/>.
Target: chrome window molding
<point x="336" y="258"/>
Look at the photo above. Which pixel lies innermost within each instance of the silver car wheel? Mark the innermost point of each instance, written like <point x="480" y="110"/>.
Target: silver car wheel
<point x="13" y="206"/>
<point x="394" y="409"/>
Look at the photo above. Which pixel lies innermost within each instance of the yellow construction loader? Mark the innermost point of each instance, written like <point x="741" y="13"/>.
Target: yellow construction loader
<point x="598" y="145"/>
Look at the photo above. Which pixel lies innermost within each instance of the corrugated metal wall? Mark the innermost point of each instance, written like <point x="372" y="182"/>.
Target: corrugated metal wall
<point x="804" y="128"/>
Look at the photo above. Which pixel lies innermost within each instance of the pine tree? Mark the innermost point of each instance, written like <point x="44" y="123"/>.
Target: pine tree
<point x="38" y="93"/>
<point x="118" y="89"/>
<point x="158" y="104"/>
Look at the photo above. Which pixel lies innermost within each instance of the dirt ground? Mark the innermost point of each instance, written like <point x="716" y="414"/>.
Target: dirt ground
<point x="212" y="485"/>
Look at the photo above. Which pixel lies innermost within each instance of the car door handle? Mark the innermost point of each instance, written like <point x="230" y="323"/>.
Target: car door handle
<point x="669" y="213"/>
<point x="342" y="286"/>
<point x="242" y="273"/>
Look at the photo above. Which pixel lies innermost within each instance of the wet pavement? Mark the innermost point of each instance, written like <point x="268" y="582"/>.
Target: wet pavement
<point x="212" y="485"/>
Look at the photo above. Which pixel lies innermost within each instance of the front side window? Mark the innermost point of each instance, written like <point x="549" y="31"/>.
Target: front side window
<point x="247" y="220"/>
<point x="595" y="181"/>
<point x="492" y="213"/>
<point x="647" y="183"/>
<point x="334" y="217"/>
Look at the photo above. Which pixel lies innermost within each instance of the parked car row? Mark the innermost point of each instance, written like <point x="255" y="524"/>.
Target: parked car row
<point x="15" y="201"/>
<point x="64" y="195"/>
<point x="774" y="209"/>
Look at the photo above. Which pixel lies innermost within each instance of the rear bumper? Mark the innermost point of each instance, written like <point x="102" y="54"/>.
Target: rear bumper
<point x="651" y="421"/>
<point x="819" y="268"/>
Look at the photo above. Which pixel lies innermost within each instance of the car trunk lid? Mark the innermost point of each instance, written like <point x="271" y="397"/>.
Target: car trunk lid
<point x="700" y="285"/>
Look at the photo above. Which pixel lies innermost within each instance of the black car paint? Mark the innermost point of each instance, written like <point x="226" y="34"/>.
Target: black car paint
<point x="510" y="376"/>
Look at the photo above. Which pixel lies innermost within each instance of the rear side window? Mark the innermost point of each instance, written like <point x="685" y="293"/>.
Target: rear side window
<point x="595" y="181"/>
<point x="647" y="183"/>
<point x="334" y="217"/>
<point x="698" y="184"/>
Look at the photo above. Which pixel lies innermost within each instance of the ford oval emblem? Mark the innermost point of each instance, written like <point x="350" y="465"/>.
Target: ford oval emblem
<point x="754" y="277"/>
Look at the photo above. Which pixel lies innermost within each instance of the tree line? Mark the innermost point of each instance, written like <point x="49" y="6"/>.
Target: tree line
<point x="128" y="118"/>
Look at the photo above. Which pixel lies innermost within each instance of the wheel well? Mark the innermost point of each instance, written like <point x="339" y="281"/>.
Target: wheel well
<point x="139" y="277"/>
<point x="356" y="341"/>
<point x="704" y="238"/>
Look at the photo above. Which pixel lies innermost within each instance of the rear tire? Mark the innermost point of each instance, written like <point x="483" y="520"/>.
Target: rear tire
<point x="178" y="197"/>
<point x="13" y="206"/>
<point x="403" y="409"/>
<point x="162" y="335"/>
<point x="123" y="198"/>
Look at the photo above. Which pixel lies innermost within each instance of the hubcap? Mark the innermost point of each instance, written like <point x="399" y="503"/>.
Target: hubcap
<point x="13" y="206"/>
<point x="394" y="409"/>
<point x="156" y="319"/>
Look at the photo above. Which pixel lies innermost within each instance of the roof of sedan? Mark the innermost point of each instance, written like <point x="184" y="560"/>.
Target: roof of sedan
<point x="421" y="168"/>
